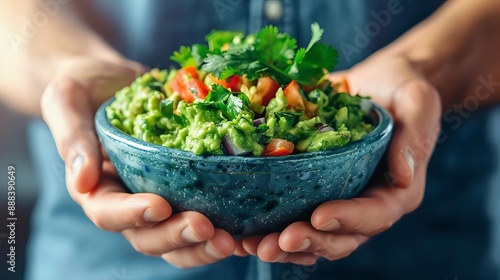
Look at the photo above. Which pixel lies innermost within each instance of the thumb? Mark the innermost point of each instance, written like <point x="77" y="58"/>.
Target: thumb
<point x="68" y="105"/>
<point x="66" y="109"/>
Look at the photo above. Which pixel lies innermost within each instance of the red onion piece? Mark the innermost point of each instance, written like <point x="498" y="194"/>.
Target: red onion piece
<point x="259" y="121"/>
<point x="231" y="149"/>
<point x="323" y="127"/>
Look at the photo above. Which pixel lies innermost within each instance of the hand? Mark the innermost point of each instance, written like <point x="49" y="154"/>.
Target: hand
<point x="68" y="104"/>
<point x="339" y="227"/>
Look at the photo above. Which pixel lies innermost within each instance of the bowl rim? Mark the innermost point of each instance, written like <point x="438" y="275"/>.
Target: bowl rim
<point x="103" y="126"/>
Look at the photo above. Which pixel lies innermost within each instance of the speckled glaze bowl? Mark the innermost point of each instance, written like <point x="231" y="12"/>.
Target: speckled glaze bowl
<point x="246" y="195"/>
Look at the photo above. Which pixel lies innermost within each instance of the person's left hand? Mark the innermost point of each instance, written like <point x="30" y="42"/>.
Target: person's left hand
<point x="339" y="227"/>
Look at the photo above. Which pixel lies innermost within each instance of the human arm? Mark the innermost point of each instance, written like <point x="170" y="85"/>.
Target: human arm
<point x="68" y="69"/>
<point x="34" y="52"/>
<point x="433" y="68"/>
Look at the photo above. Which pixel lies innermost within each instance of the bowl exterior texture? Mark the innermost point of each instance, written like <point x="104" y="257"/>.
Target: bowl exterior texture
<point x="245" y="195"/>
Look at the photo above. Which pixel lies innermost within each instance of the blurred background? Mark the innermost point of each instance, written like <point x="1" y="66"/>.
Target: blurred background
<point x="14" y="151"/>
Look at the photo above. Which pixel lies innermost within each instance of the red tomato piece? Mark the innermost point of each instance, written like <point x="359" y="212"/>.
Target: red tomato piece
<point x="266" y="90"/>
<point x="278" y="147"/>
<point x="189" y="71"/>
<point x="233" y="83"/>
<point x="294" y="97"/>
<point x="187" y="84"/>
<point x="197" y="88"/>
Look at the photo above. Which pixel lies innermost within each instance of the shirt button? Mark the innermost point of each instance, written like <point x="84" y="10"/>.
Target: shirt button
<point x="273" y="10"/>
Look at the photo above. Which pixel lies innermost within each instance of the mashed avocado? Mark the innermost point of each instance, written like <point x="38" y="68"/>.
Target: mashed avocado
<point x="144" y="111"/>
<point x="257" y="95"/>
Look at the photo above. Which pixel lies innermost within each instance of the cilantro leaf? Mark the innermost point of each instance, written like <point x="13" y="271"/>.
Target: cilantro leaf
<point x="234" y="106"/>
<point x="218" y="94"/>
<point x="317" y="34"/>
<point x="217" y="39"/>
<point x="228" y="103"/>
<point x="316" y="60"/>
<point x="199" y="52"/>
<point x="167" y="110"/>
<point x="187" y="56"/>
<point x="228" y="64"/>
<point x="275" y="48"/>
<point x="267" y="53"/>
<point x="291" y="117"/>
<point x="242" y="60"/>
<point x="183" y="56"/>
<point x="167" y="107"/>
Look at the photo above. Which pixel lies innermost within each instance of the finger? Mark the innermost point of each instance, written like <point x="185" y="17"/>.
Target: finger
<point x="307" y="259"/>
<point x="109" y="169"/>
<point x="251" y="243"/>
<point x="110" y="208"/>
<point x="138" y="68"/>
<point x="102" y="79"/>
<point x="67" y="110"/>
<point x="238" y="248"/>
<point x="337" y="76"/>
<point x="417" y="113"/>
<point x="181" y="230"/>
<point x="218" y="248"/>
<point x="68" y="105"/>
<point x="375" y="211"/>
<point x="104" y="82"/>
<point x="302" y="237"/>
<point x="270" y="251"/>
<point x="339" y="81"/>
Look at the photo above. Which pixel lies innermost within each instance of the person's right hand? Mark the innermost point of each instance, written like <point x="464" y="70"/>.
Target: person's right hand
<point x="186" y="239"/>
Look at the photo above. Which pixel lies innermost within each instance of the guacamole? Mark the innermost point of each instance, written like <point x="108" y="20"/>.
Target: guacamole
<point x="256" y="95"/>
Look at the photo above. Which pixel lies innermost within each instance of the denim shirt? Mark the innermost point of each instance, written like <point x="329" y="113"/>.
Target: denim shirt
<point x="149" y="31"/>
<point x="453" y="235"/>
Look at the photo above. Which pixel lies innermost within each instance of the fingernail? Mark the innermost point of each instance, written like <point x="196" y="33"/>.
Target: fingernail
<point x="331" y="225"/>
<point x="410" y="160"/>
<point x="304" y="245"/>
<point x="189" y="235"/>
<point x="209" y="248"/>
<point x="282" y="257"/>
<point x="151" y="216"/>
<point x="310" y="261"/>
<point x="77" y="164"/>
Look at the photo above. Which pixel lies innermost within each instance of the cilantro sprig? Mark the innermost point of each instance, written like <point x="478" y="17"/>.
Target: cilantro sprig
<point x="230" y="104"/>
<point x="266" y="53"/>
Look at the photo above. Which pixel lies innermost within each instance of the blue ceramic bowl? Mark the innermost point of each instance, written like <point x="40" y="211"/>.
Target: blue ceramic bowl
<point x="246" y="195"/>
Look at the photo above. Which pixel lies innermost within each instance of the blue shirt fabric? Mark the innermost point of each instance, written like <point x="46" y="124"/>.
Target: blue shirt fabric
<point x="455" y="234"/>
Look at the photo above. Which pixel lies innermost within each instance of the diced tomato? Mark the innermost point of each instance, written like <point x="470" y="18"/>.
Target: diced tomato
<point x="266" y="90"/>
<point x="187" y="84"/>
<point x="311" y="109"/>
<point x="278" y="147"/>
<point x="234" y="83"/>
<point x="297" y="101"/>
<point x="197" y="88"/>
<point x="294" y="97"/>
<point x="190" y="71"/>
<point x="176" y="85"/>
<point x="308" y="88"/>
